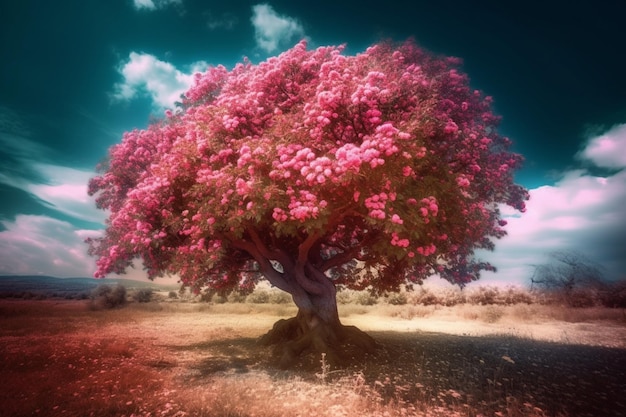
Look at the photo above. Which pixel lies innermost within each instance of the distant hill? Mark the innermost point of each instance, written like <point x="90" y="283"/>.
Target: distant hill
<point x="14" y="285"/>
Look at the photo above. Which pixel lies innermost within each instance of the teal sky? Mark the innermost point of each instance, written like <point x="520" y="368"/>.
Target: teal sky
<point x="76" y="74"/>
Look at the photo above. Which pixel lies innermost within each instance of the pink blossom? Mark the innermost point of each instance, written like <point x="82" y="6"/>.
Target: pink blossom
<point x="396" y="241"/>
<point x="451" y="127"/>
<point x="462" y="181"/>
<point x="396" y="219"/>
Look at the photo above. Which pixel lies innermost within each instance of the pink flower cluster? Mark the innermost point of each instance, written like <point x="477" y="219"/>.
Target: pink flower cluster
<point x="302" y="206"/>
<point x="396" y="241"/>
<point x="376" y="204"/>
<point x="207" y="85"/>
<point x="463" y="181"/>
<point x="318" y="170"/>
<point x="291" y="157"/>
<point x="427" y="250"/>
<point x="428" y="207"/>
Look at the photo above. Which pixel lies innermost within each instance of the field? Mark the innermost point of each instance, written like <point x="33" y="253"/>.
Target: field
<point x="182" y="358"/>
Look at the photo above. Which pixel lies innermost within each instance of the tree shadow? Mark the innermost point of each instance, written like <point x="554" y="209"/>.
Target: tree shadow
<point x="237" y="355"/>
<point x="576" y="380"/>
<point x="556" y="377"/>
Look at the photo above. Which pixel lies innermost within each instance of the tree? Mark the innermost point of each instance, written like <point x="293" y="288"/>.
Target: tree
<point x="571" y="276"/>
<point x="316" y="171"/>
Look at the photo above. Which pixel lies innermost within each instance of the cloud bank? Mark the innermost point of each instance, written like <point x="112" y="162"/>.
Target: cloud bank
<point x="144" y="74"/>
<point x="40" y="245"/>
<point x="580" y="212"/>
<point x="272" y="30"/>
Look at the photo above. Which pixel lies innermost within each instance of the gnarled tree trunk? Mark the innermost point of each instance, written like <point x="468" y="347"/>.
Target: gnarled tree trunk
<point x="316" y="328"/>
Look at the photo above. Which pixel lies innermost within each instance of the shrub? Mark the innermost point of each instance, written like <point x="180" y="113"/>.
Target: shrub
<point x="581" y="298"/>
<point x="107" y="297"/>
<point x="345" y="297"/>
<point x="219" y="299"/>
<point x="206" y="296"/>
<point x="614" y="296"/>
<point x="425" y="297"/>
<point x="279" y="297"/>
<point x="143" y="295"/>
<point x="452" y="297"/>
<point x="259" y="297"/>
<point x="364" y="298"/>
<point x="484" y="296"/>
<point x="514" y="295"/>
<point x="237" y="297"/>
<point x="173" y="295"/>
<point x="397" y="299"/>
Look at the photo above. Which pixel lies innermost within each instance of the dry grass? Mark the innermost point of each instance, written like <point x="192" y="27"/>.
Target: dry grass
<point x="195" y="359"/>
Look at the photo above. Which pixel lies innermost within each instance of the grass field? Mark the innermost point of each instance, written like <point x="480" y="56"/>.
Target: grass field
<point x="175" y="358"/>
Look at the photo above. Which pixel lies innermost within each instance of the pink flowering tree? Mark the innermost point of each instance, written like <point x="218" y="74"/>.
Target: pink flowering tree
<point x="315" y="171"/>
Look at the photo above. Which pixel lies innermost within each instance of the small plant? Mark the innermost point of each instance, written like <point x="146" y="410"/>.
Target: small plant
<point x="173" y="295"/>
<point x="325" y="369"/>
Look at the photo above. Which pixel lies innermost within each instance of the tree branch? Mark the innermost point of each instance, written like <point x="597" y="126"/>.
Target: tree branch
<point x="276" y="254"/>
<point x="273" y="276"/>
<point x="340" y="258"/>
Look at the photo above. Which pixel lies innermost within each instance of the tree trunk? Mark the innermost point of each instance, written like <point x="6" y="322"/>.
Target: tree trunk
<point x="316" y="328"/>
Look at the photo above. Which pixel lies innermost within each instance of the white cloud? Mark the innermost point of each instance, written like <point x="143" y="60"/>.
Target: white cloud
<point x="162" y="81"/>
<point x="609" y="149"/>
<point x="273" y="30"/>
<point x="155" y="4"/>
<point x="43" y="245"/>
<point x="580" y="212"/>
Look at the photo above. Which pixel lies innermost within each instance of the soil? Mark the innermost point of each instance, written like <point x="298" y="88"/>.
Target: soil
<point x="57" y="355"/>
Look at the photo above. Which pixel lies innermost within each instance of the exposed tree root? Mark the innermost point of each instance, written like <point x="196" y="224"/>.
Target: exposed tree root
<point x="294" y="337"/>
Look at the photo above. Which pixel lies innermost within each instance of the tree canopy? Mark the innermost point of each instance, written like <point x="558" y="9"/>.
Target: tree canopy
<point x="368" y="171"/>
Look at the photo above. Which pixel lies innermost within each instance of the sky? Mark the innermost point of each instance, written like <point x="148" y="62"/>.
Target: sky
<point x="77" y="74"/>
